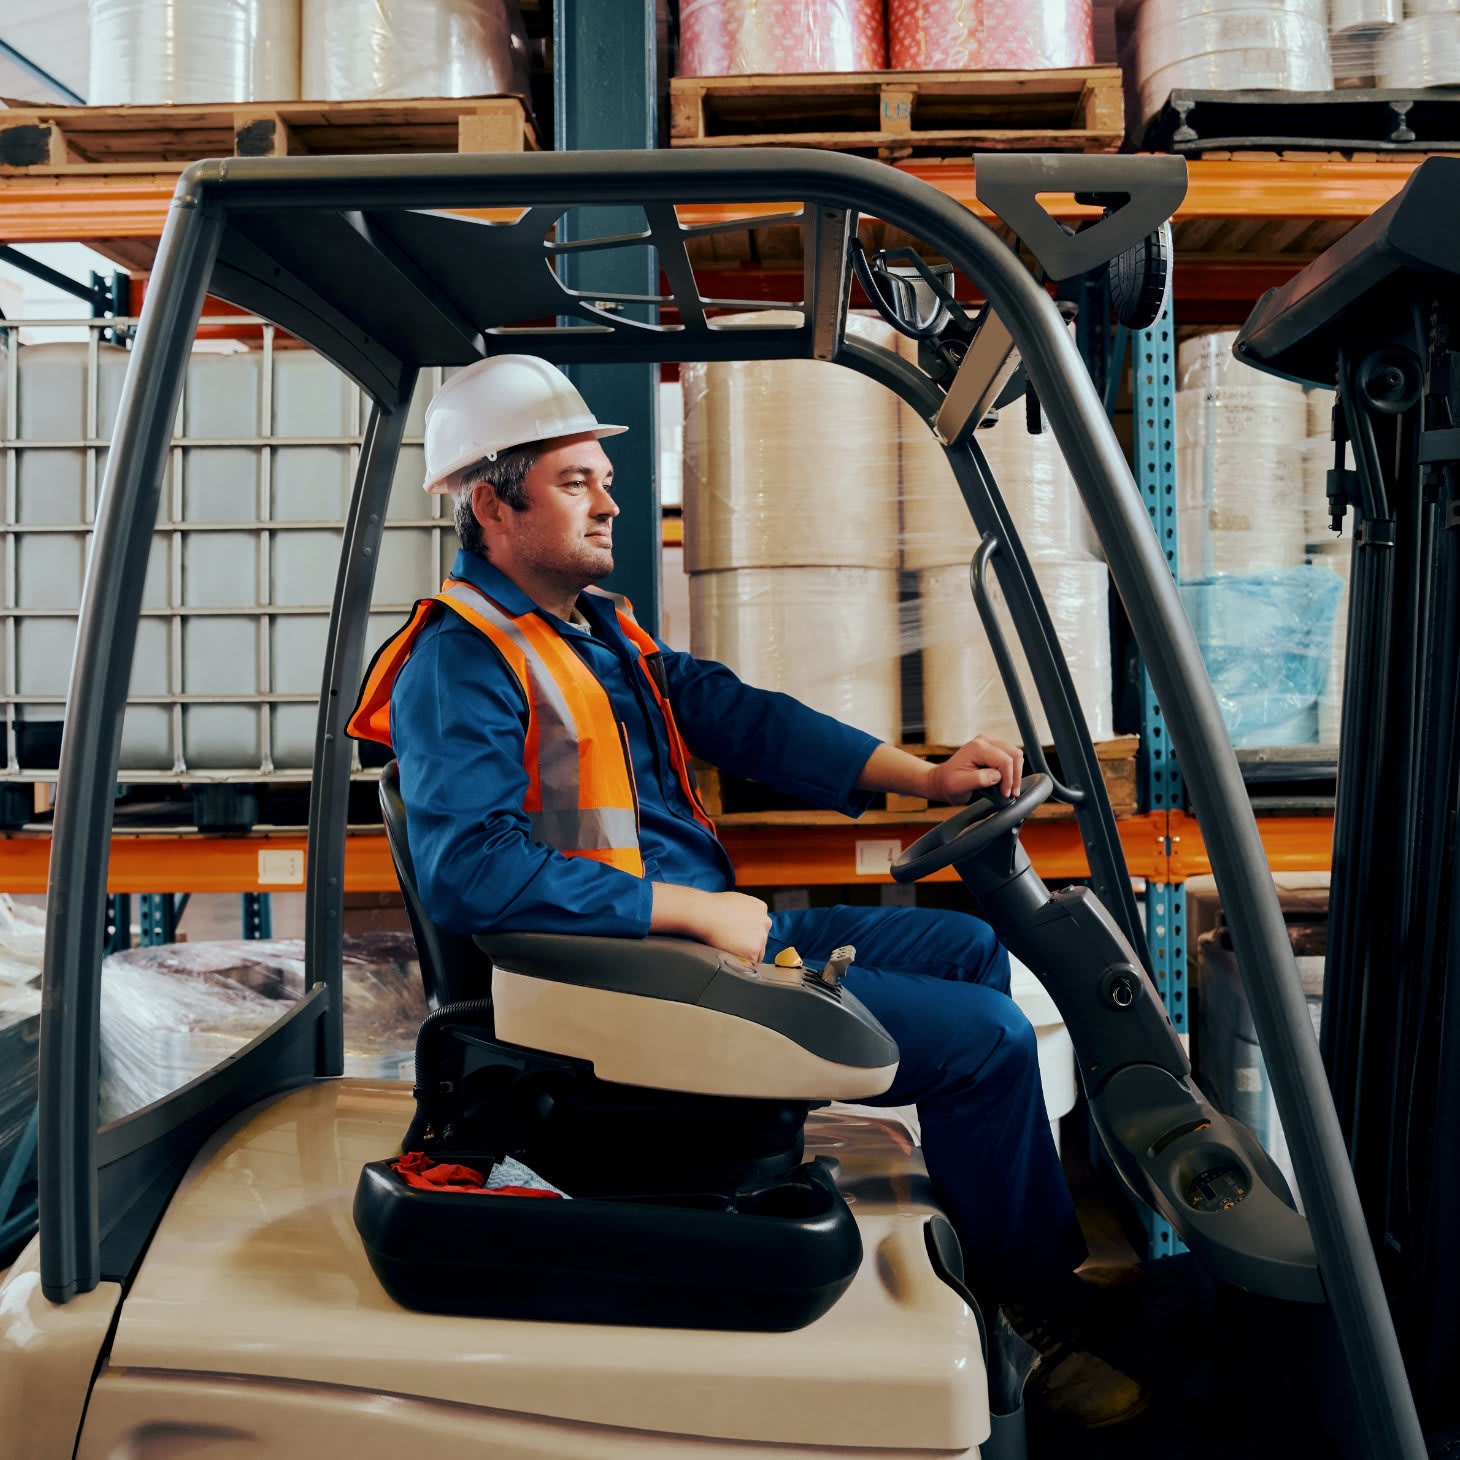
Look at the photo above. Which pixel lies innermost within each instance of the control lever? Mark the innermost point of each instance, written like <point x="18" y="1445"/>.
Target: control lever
<point x="835" y="968"/>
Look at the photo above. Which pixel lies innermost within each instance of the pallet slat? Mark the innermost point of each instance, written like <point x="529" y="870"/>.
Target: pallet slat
<point x="897" y="113"/>
<point x="69" y="140"/>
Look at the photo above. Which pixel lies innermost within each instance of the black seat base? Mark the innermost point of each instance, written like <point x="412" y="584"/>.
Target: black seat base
<point x="773" y="1258"/>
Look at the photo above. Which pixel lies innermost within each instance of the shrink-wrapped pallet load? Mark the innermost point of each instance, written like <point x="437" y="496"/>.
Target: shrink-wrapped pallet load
<point x="159" y="52"/>
<point x="1226" y="45"/>
<point x="172" y="1012"/>
<point x="989" y="35"/>
<point x="361" y="50"/>
<point x="790" y="527"/>
<point x="789" y="37"/>
<point x="1251" y="494"/>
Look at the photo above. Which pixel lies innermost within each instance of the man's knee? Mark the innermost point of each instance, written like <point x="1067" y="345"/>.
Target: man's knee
<point x="964" y="947"/>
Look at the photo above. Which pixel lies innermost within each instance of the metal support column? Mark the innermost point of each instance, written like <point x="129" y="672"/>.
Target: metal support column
<point x="1153" y="397"/>
<point x="157" y="919"/>
<point x="118" y="932"/>
<point x="258" y="915"/>
<point x="605" y="96"/>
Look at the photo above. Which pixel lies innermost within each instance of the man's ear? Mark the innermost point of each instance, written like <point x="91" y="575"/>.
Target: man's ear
<point x="486" y="506"/>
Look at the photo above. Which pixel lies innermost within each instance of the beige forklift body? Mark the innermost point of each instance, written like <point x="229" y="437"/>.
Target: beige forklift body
<point x="255" y="1326"/>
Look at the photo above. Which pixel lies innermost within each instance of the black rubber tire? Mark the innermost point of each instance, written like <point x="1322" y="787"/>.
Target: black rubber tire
<point x="1139" y="278"/>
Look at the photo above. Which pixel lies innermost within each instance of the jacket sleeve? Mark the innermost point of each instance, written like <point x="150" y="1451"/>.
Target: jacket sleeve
<point x="767" y="736"/>
<point x="458" y="726"/>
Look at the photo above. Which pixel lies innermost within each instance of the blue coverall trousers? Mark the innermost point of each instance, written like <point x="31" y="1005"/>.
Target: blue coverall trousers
<point x="938" y="982"/>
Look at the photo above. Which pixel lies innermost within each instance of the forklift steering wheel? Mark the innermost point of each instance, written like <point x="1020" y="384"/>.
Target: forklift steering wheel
<point x="973" y="830"/>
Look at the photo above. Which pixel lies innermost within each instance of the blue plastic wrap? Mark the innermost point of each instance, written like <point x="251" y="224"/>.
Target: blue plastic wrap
<point x="1267" y="640"/>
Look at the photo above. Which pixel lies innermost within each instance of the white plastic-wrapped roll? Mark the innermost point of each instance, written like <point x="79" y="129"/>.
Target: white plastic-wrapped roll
<point x="1216" y="45"/>
<point x="356" y="50"/>
<point x="1240" y="508"/>
<point x="1336" y="554"/>
<point x="155" y="52"/>
<point x="828" y="636"/>
<point x="1421" y="52"/>
<point x="1031" y="473"/>
<point x="1346" y="15"/>
<point x="1206" y="361"/>
<point x="1248" y="415"/>
<point x="1413" y="8"/>
<point x="1320" y="410"/>
<point x="789" y="463"/>
<point x="963" y="694"/>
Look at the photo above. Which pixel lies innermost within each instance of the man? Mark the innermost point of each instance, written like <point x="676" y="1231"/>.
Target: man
<point x="544" y="740"/>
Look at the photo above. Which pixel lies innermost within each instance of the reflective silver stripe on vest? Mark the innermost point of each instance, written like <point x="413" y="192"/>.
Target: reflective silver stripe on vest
<point x="598" y="829"/>
<point x="557" y="736"/>
<point x="562" y="823"/>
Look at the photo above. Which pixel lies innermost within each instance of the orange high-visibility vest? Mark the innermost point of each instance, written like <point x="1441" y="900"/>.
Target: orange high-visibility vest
<point x="581" y="798"/>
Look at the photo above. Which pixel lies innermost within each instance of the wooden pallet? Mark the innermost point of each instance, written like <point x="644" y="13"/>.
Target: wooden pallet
<point x="732" y="801"/>
<point x="897" y="114"/>
<point x="143" y="139"/>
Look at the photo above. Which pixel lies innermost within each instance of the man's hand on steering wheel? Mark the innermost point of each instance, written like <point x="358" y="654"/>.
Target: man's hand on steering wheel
<point x="982" y="763"/>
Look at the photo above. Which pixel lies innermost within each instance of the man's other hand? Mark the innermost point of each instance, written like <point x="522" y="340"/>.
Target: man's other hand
<point x="729" y="921"/>
<point x="983" y="762"/>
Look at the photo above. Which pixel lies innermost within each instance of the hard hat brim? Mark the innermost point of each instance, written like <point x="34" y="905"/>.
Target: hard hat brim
<point x="443" y="480"/>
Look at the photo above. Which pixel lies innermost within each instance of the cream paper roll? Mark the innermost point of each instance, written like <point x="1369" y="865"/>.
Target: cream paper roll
<point x="1246" y="415"/>
<point x="1032" y="476"/>
<point x="789" y="463"/>
<point x="1239" y="508"/>
<point x="827" y="636"/>
<point x="1320" y="410"/>
<point x="1207" y="360"/>
<point x="964" y="696"/>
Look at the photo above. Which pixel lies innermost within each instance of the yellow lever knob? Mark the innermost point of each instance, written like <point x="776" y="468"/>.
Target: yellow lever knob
<point x="788" y="958"/>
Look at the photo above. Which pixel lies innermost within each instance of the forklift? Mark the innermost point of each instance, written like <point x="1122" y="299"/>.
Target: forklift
<point x="238" y="1269"/>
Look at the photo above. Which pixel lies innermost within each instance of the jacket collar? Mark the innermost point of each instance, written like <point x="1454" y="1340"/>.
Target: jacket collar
<point x="503" y="591"/>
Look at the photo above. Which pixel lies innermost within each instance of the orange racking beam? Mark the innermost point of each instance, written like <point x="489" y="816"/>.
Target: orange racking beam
<point x="194" y="863"/>
<point x="51" y="208"/>
<point x="764" y="856"/>
<point x="800" y="856"/>
<point x="1292" y="844"/>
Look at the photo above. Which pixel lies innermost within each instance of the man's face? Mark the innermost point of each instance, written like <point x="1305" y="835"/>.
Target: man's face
<point x="566" y="532"/>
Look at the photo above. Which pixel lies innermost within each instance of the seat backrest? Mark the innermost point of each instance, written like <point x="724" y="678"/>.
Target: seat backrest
<point x="452" y="966"/>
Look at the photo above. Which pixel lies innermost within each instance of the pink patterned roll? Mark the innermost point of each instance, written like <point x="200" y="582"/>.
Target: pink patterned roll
<point x="990" y="35"/>
<point x="780" y="37"/>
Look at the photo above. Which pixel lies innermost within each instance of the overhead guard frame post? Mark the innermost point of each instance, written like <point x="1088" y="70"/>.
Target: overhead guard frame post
<point x="1138" y="569"/>
<point x="106" y="637"/>
<point x="329" y="790"/>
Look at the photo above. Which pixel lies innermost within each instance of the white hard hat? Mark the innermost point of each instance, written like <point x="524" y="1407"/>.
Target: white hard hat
<point x="496" y="404"/>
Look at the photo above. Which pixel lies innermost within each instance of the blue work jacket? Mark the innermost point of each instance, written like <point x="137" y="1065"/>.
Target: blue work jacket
<point x="458" y="725"/>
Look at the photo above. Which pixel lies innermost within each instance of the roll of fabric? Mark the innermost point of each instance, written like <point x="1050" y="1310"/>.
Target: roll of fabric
<point x="1031" y="474"/>
<point x="1421" y="52"/>
<point x="780" y="37"/>
<point x="357" y="50"/>
<point x="789" y="463"/>
<point x="963" y="694"/>
<point x="157" y="52"/>
<point x="1216" y="45"/>
<point x="828" y="636"/>
<point x="970" y="35"/>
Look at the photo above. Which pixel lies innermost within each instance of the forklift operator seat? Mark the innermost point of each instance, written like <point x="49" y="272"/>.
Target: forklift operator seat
<point x="453" y="968"/>
<point x="660" y="1083"/>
